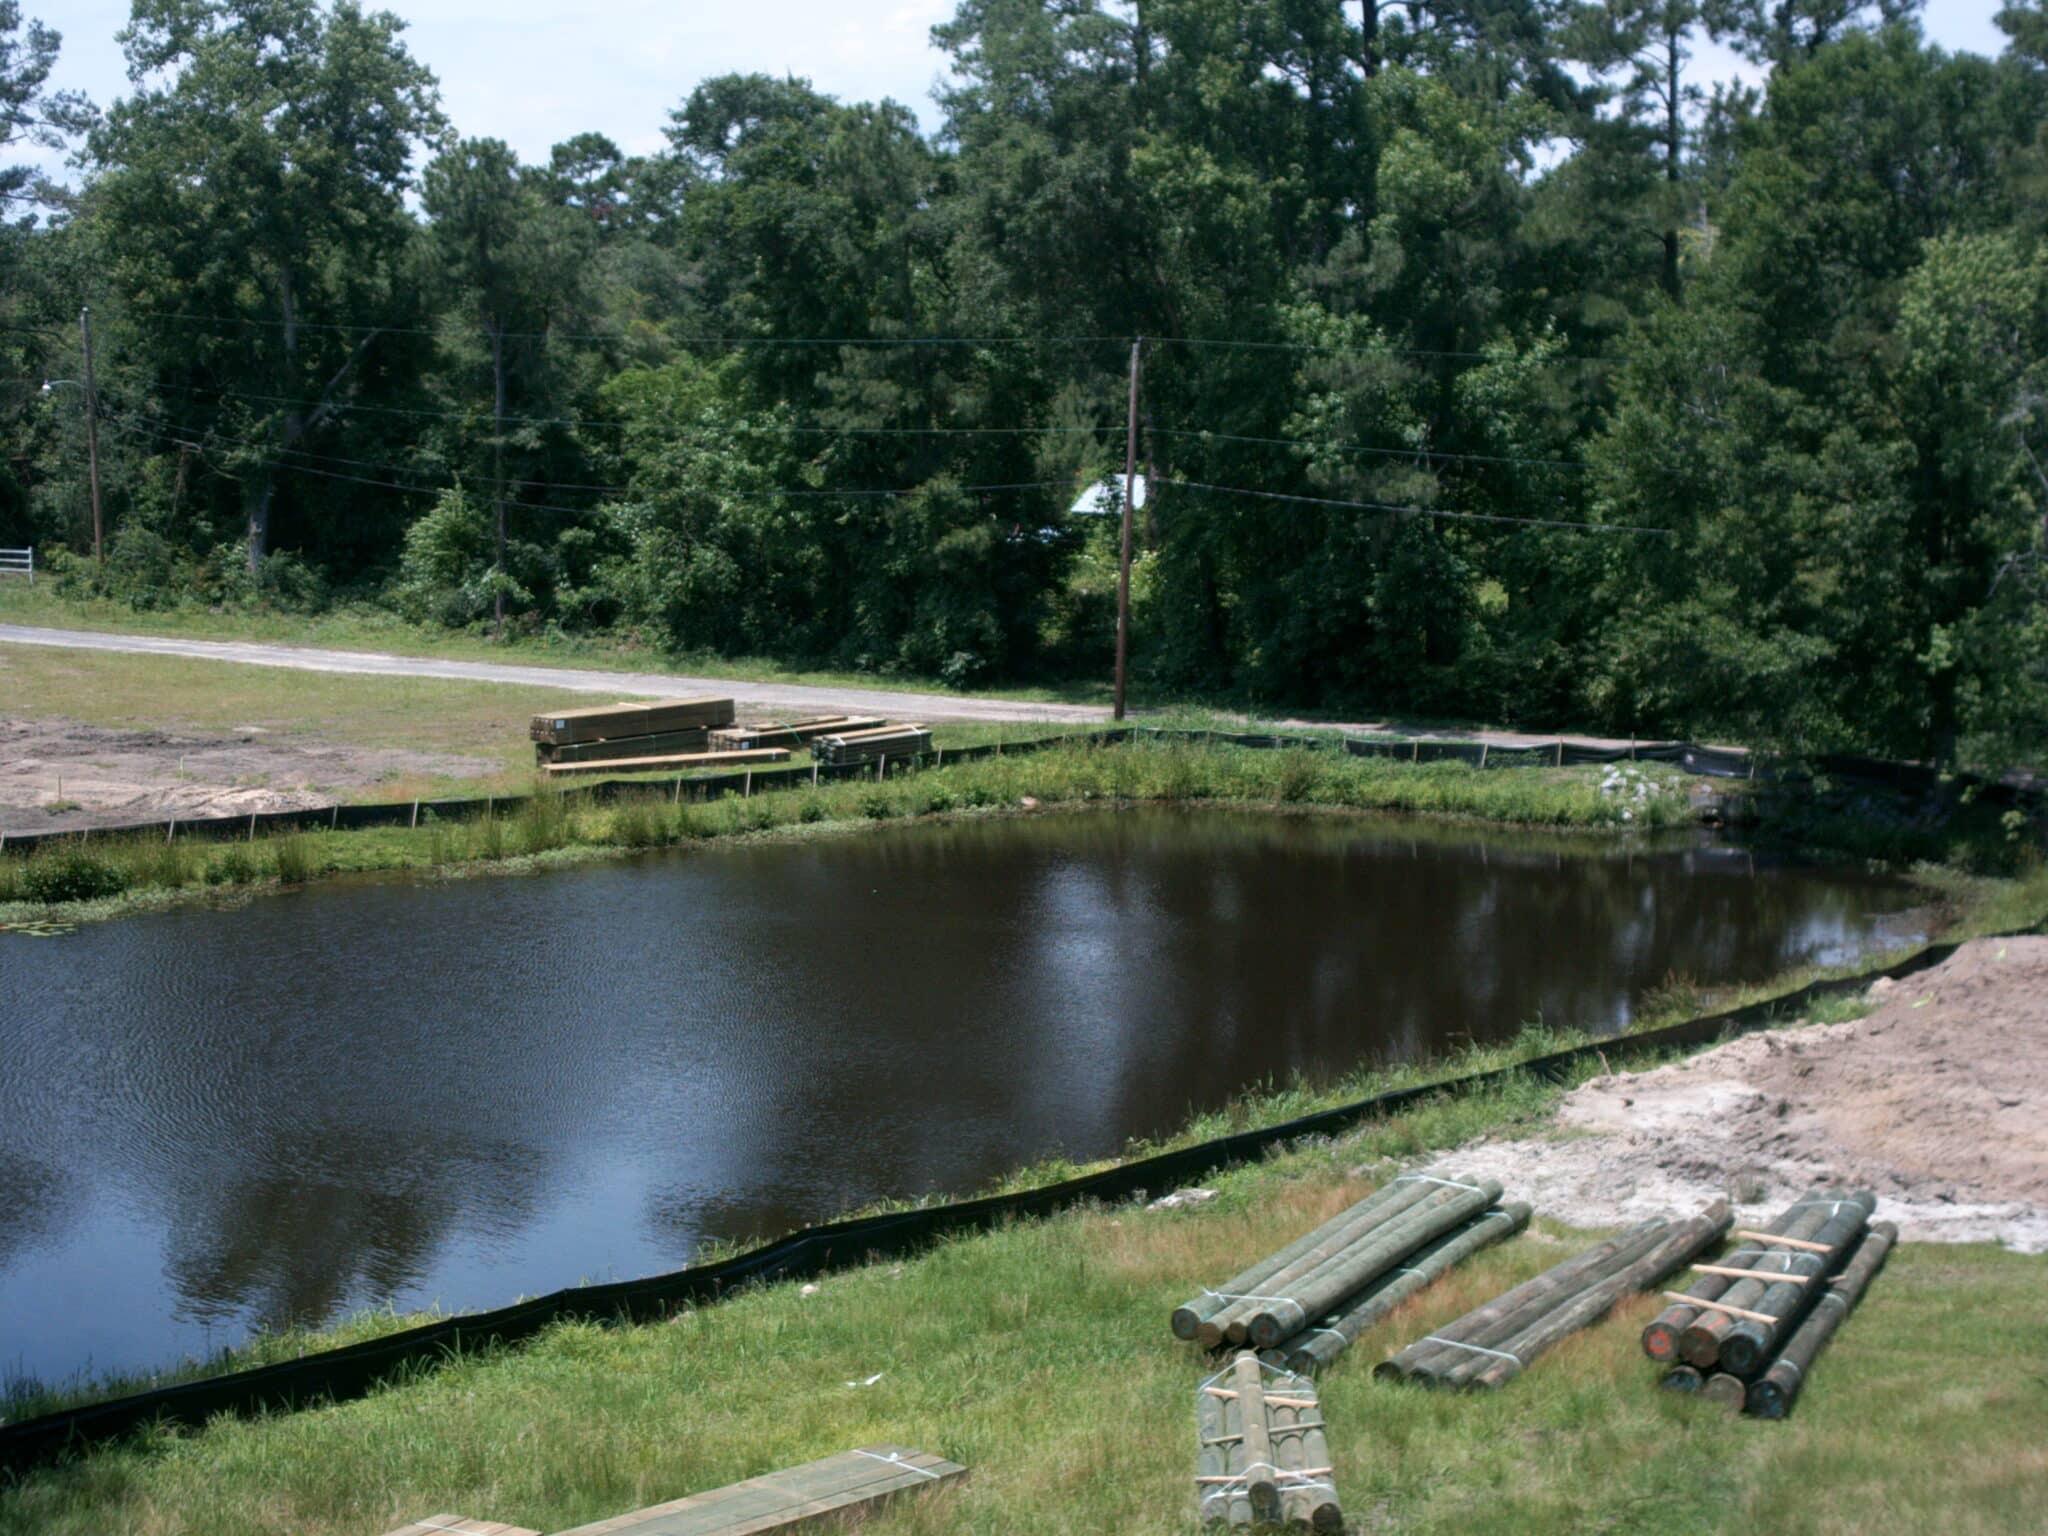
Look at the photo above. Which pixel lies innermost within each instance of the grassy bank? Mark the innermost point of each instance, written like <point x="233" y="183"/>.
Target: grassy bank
<point x="1038" y="1355"/>
<point x="108" y="874"/>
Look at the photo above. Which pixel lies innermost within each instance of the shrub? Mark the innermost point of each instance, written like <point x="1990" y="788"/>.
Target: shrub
<point x="292" y="859"/>
<point x="71" y="874"/>
<point x="233" y="867"/>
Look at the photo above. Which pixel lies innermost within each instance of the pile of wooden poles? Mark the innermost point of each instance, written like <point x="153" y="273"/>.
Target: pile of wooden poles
<point x="1305" y="1304"/>
<point x="1261" y="1455"/>
<point x="1747" y="1330"/>
<point x="1491" y="1345"/>
<point x="789" y="733"/>
<point x="838" y="747"/>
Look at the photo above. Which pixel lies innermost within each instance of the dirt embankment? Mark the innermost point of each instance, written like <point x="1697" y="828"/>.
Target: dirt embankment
<point x="1937" y="1101"/>
<point x="58" y="775"/>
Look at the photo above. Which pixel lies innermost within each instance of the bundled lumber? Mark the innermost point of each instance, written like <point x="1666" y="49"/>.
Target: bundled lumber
<point x="662" y="744"/>
<point x="1261" y="1455"/>
<point x="838" y="747"/>
<point x="1318" y="1273"/>
<point x="789" y="733"/>
<point x="1770" y="1395"/>
<point x="678" y="762"/>
<point x="1492" y="1344"/>
<point x="1739" y="1330"/>
<point x="611" y="722"/>
<point x="1314" y="1348"/>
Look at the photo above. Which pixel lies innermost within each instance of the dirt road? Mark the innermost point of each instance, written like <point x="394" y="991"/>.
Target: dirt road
<point x="785" y="697"/>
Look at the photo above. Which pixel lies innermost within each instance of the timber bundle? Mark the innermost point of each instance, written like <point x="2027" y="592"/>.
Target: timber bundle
<point x="788" y="733"/>
<point x="1307" y="1303"/>
<point x="604" y="735"/>
<point x="1748" y="1329"/>
<point x="1491" y="1345"/>
<point x="863" y="746"/>
<point x="1261" y="1455"/>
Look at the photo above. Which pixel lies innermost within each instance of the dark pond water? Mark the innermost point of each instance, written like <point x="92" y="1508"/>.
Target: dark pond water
<point x="458" y="1093"/>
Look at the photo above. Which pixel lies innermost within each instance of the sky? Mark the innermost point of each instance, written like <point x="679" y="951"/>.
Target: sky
<point x="536" y="72"/>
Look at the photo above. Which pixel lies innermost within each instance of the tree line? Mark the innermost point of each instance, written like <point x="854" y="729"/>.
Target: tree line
<point x="1497" y="362"/>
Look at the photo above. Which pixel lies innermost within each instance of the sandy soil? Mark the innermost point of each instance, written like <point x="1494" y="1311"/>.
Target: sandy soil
<point x="115" y="776"/>
<point x="1937" y="1101"/>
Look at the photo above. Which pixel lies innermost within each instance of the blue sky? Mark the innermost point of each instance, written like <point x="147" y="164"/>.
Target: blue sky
<point x="534" y="74"/>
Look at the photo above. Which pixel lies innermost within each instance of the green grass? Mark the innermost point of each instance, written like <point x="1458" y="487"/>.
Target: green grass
<point x="1038" y="1355"/>
<point x="142" y="870"/>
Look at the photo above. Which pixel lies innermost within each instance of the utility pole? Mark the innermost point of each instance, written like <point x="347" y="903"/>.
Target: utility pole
<point x="92" y="429"/>
<point x="1123" y="569"/>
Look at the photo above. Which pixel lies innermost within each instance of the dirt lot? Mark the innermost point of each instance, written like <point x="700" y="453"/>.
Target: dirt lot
<point x="1937" y="1101"/>
<point x="57" y="774"/>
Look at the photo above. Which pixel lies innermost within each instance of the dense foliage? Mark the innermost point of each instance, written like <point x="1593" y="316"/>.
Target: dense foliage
<point x="1572" y="389"/>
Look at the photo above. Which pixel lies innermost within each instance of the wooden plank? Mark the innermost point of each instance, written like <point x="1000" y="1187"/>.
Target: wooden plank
<point x="787" y="1499"/>
<point x="679" y="760"/>
<point x="459" y="1525"/>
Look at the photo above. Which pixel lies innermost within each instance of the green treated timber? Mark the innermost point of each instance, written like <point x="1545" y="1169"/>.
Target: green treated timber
<point x="788" y="1499"/>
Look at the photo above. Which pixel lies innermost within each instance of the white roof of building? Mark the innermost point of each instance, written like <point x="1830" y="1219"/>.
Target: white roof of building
<point x="1104" y="497"/>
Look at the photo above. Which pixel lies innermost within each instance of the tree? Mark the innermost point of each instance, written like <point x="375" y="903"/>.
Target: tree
<point x="515" y="262"/>
<point x="256" y="177"/>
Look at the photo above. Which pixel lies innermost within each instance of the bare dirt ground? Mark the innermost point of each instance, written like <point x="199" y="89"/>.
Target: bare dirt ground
<point x="1937" y="1101"/>
<point x="104" y="778"/>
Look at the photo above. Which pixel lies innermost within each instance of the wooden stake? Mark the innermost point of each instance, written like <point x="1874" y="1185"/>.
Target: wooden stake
<point x="1748" y="1274"/>
<point x="1785" y="1242"/>
<point x="1719" y="1306"/>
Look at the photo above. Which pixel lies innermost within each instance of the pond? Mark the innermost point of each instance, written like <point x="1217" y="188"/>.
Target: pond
<point x="458" y="1092"/>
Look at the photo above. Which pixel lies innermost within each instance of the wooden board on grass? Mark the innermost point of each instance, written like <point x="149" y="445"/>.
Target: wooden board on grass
<point x="788" y="733"/>
<point x="790" y="1499"/>
<point x="677" y="762"/>
<point x="459" y="1525"/>
<point x="631" y="718"/>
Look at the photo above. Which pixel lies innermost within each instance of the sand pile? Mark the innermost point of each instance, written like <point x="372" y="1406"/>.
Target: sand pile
<point x="1937" y="1101"/>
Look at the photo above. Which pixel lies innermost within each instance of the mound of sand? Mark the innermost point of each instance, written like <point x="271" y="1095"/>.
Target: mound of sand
<point x="1937" y="1101"/>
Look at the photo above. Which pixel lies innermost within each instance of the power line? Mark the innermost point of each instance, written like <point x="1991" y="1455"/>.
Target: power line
<point x="800" y="492"/>
<point x="1371" y="351"/>
<point x="1438" y="512"/>
<point x="687" y="340"/>
<point x="769" y="428"/>
<point x="1424" y="454"/>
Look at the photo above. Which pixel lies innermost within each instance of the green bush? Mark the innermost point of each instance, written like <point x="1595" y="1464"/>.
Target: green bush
<point x="233" y="867"/>
<point x="71" y="874"/>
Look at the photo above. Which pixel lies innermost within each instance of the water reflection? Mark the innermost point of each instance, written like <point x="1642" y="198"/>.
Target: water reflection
<point x="460" y="1092"/>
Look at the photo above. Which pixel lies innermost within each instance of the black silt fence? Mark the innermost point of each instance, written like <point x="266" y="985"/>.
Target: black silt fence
<point x="356" y="1369"/>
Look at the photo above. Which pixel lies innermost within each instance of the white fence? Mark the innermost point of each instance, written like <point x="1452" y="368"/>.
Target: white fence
<point x="18" y="562"/>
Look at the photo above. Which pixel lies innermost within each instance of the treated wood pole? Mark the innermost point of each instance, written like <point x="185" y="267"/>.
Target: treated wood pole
<point x="1123" y="568"/>
<point x="1700" y="1343"/>
<point x="1750" y="1345"/>
<point x="1321" y="1345"/>
<point x="1660" y="1337"/>
<point x="1261" y="1484"/>
<point x="1770" y="1395"/>
<point x="1359" y="1264"/>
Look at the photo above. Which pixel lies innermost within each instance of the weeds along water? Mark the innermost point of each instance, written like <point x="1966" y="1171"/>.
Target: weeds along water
<point x="104" y="874"/>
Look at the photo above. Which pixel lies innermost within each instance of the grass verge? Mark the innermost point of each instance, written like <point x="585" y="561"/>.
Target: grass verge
<point x="108" y="875"/>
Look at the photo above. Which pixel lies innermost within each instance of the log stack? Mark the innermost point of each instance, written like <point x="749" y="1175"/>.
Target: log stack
<point x="1749" y="1326"/>
<point x="1305" y="1304"/>
<point x="1261" y="1456"/>
<point x="1491" y="1345"/>
<point x="837" y="747"/>
<point x="789" y="733"/>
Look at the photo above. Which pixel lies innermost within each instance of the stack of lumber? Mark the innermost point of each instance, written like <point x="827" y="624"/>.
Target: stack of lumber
<point x="789" y="733"/>
<point x="1308" y="1302"/>
<point x="677" y="763"/>
<point x="615" y="722"/>
<point x="660" y="744"/>
<point x="864" y="746"/>
<point x="1261" y="1457"/>
<point x="1750" y="1326"/>
<point x="1491" y="1345"/>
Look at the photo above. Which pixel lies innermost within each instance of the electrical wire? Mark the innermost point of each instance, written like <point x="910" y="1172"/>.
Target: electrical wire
<point x="1423" y="454"/>
<point x="1438" y="512"/>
